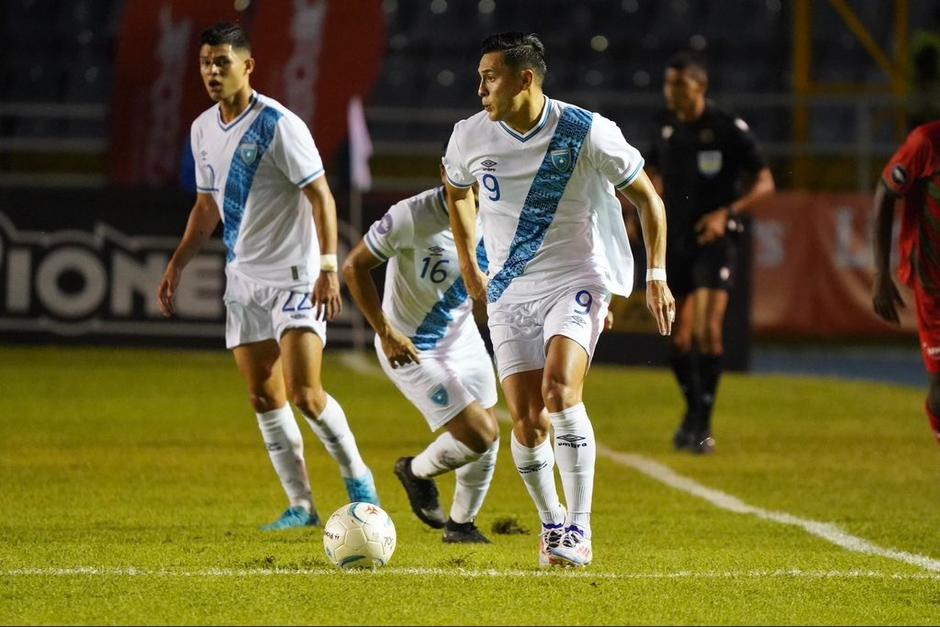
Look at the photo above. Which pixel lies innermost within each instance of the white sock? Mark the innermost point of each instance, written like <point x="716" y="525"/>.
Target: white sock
<point x="333" y="430"/>
<point x="536" y="466"/>
<point x="286" y="448"/>
<point x="575" y="452"/>
<point x="443" y="454"/>
<point x="473" y="482"/>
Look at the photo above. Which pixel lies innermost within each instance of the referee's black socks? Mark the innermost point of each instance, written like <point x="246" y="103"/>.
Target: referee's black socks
<point x="684" y="365"/>
<point x="709" y="371"/>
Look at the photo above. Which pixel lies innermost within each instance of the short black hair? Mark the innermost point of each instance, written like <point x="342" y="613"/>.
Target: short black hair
<point x="521" y="51"/>
<point x="688" y="60"/>
<point x="226" y="33"/>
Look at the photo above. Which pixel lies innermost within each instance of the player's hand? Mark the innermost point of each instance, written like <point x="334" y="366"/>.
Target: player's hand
<point x="398" y="349"/>
<point x="662" y="305"/>
<point x="326" y="296"/>
<point x="167" y="289"/>
<point x="886" y="299"/>
<point x="609" y="321"/>
<point x="712" y="225"/>
<point x="476" y="284"/>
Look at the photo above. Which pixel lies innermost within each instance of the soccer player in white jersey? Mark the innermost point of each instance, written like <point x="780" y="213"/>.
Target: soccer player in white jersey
<point x="557" y="248"/>
<point x="429" y="346"/>
<point x="259" y="172"/>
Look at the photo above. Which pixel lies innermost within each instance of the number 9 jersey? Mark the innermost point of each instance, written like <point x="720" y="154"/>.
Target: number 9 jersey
<point x="549" y="212"/>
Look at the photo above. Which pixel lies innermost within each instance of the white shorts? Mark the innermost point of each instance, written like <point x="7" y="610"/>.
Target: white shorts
<point x="520" y="331"/>
<point x="254" y="313"/>
<point x="447" y="380"/>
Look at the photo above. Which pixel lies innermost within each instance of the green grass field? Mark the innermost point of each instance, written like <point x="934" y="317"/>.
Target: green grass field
<point x="134" y="482"/>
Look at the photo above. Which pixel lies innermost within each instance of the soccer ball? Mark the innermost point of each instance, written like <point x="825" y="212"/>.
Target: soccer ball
<point x="359" y="535"/>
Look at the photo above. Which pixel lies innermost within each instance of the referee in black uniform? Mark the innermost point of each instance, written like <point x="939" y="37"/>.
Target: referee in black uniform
<point x="708" y="168"/>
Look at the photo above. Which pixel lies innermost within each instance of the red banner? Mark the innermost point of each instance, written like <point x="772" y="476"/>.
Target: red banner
<point x="812" y="268"/>
<point x="157" y="88"/>
<point x="313" y="56"/>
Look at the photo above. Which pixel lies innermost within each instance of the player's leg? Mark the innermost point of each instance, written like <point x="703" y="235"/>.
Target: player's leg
<point x="682" y="350"/>
<point x="573" y="325"/>
<point x="477" y="428"/>
<point x="533" y="455"/>
<point x="713" y="278"/>
<point x="928" y="327"/>
<point x="259" y="365"/>
<point x="933" y="404"/>
<point x="302" y="350"/>
<point x="517" y="333"/>
<point x="711" y="348"/>
<point x="682" y="359"/>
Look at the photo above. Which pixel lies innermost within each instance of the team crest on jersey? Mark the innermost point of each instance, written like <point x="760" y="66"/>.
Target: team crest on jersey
<point x="709" y="162"/>
<point x="899" y="175"/>
<point x="561" y="159"/>
<point x="248" y="152"/>
<point x="439" y="396"/>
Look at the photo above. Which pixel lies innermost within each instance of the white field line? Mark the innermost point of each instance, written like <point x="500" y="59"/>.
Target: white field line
<point x="664" y="474"/>
<point x="459" y="573"/>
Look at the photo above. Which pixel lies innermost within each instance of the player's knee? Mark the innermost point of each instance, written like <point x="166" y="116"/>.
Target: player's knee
<point x="310" y="401"/>
<point x="558" y="395"/>
<point x="711" y="341"/>
<point x="681" y="342"/>
<point x="262" y="402"/>
<point x="531" y="427"/>
<point x="487" y="431"/>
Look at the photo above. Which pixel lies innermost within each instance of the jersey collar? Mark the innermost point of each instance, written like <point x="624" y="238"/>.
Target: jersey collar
<point x="229" y="126"/>
<point x="543" y="121"/>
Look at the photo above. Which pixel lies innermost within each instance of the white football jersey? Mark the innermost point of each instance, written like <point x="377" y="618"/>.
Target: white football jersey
<point x="255" y="167"/>
<point x="425" y="297"/>
<point x="535" y="241"/>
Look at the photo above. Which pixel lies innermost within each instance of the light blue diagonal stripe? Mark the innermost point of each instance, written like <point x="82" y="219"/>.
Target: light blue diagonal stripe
<point x="434" y="326"/>
<point x="241" y="175"/>
<point x="541" y="202"/>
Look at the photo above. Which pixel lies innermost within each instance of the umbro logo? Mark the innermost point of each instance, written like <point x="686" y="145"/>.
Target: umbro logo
<point x="436" y="251"/>
<point x="489" y="165"/>
<point x="570" y="440"/>
<point x="524" y="470"/>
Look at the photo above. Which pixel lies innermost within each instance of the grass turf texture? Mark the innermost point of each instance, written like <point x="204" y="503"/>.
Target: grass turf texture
<point x="147" y="468"/>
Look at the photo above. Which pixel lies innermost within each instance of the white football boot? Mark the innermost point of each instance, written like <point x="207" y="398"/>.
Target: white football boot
<point x="573" y="550"/>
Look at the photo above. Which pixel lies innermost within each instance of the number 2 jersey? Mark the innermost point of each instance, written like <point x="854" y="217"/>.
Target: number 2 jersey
<point x="425" y="297"/>
<point x="255" y="167"/>
<point x="548" y="209"/>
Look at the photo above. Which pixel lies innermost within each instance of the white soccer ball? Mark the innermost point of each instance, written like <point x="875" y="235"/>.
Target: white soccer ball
<point x="359" y="535"/>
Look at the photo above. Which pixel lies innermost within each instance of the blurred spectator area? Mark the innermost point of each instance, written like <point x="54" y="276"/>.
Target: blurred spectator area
<point x="607" y="55"/>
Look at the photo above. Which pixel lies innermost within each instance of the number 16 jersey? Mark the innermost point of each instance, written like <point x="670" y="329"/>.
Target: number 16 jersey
<point x="425" y="297"/>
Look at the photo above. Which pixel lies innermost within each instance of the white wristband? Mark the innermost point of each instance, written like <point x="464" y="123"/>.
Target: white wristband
<point x="328" y="263"/>
<point x="655" y="274"/>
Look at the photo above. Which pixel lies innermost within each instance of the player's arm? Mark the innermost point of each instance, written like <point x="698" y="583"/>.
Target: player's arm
<point x="463" y="222"/>
<point x="885" y="296"/>
<point x="203" y="218"/>
<point x="326" y="289"/>
<point x="713" y="225"/>
<point x="357" y="270"/>
<point x="652" y="214"/>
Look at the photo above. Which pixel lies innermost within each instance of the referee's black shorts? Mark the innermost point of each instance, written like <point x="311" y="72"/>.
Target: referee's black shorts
<point x="710" y="266"/>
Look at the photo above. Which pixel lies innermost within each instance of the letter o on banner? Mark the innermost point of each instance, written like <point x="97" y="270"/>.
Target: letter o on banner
<point x="61" y="302"/>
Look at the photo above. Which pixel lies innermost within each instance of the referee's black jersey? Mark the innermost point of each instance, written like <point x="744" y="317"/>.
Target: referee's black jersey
<point x="701" y="164"/>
